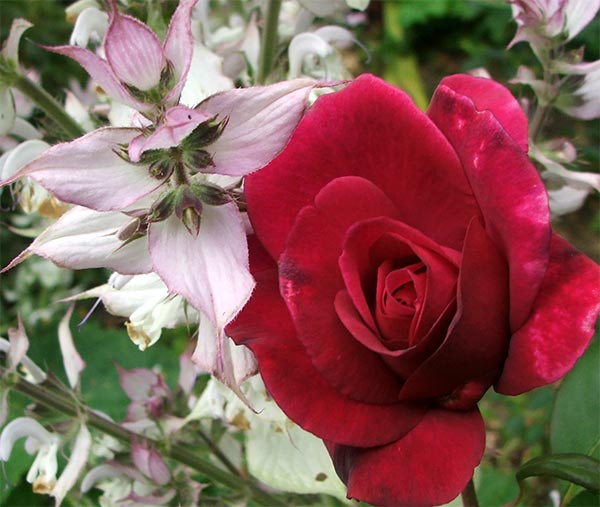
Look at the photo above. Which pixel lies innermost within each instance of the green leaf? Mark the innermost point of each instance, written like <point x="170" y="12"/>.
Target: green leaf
<point x="575" y="422"/>
<point x="575" y="468"/>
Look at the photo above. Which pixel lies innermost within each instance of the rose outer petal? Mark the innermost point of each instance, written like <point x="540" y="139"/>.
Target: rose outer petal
<point x="372" y="130"/>
<point x="561" y="324"/>
<point x="265" y="326"/>
<point x="507" y="187"/>
<point x="430" y="465"/>
<point x="490" y="95"/>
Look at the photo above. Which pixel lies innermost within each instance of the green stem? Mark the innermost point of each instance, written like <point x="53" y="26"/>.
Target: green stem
<point x="268" y="41"/>
<point x="469" y="496"/>
<point x="48" y="104"/>
<point x="54" y="400"/>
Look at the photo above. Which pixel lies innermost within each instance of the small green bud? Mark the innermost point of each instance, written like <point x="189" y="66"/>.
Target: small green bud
<point x="163" y="207"/>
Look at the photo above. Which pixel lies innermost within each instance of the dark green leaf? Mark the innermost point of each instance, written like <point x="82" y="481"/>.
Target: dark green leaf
<point x="575" y="468"/>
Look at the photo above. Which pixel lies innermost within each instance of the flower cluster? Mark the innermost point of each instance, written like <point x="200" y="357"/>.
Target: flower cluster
<point x="354" y="274"/>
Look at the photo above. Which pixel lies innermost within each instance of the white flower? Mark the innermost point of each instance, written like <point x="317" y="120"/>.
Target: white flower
<point x="41" y="442"/>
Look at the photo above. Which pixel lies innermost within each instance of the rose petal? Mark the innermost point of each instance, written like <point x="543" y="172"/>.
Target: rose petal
<point x="88" y="172"/>
<point x="310" y="280"/>
<point x="477" y="339"/>
<point x="302" y="393"/>
<point x="509" y="191"/>
<point x="430" y="465"/>
<point x="373" y="130"/>
<point x="488" y="95"/>
<point x="101" y="72"/>
<point x="133" y="51"/>
<point x="560" y="326"/>
<point x="215" y="278"/>
<point x="83" y="239"/>
<point x="260" y="121"/>
<point x="179" y="46"/>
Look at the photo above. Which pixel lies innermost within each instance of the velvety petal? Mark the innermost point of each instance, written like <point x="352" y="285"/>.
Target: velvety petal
<point x="260" y="121"/>
<point x="489" y="95"/>
<point x="431" y="465"/>
<point x="265" y="326"/>
<point x="471" y="357"/>
<point x="215" y="277"/>
<point x="372" y="242"/>
<point x="373" y="130"/>
<point x="83" y="239"/>
<point x="101" y="72"/>
<point x="133" y="51"/>
<point x="88" y="172"/>
<point x="179" y="45"/>
<point x="560" y="326"/>
<point x="310" y="280"/>
<point x="507" y="187"/>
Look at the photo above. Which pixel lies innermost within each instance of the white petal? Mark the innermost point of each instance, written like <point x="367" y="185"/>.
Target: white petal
<point x="260" y="122"/>
<point x="21" y="155"/>
<point x="84" y="238"/>
<point x="7" y="111"/>
<point x="91" y="23"/>
<point x="361" y="5"/>
<point x="302" y="45"/>
<point x="579" y="13"/>
<point x="88" y="172"/>
<point x="217" y="354"/>
<point x="25" y="130"/>
<point x="566" y="200"/>
<point x="72" y="361"/>
<point x="19" y="343"/>
<point x="77" y="461"/>
<point x="210" y="270"/>
<point x="10" y="50"/>
<point x="204" y="78"/>
<point x="19" y="428"/>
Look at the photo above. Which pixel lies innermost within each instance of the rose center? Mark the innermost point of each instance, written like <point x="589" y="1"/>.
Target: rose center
<point x="399" y="295"/>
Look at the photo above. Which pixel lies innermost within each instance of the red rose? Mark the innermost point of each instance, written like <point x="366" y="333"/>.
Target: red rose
<point x="405" y="264"/>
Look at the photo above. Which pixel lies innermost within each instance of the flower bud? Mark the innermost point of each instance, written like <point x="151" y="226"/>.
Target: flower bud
<point x="188" y="208"/>
<point x="163" y="207"/>
<point x="213" y="194"/>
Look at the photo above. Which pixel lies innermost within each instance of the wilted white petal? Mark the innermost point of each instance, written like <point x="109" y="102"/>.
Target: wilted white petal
<point x="77" y="461"/>
<point x="7" y="111"/>
<point x="302" y="45"/>
<point x="10" y="49"/>
<point x="219" y="355"/>
<point x="72" y="361"/>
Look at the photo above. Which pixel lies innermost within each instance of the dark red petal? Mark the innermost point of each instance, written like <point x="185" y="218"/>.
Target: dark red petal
<point x="560" y="326"/>
<point x="373" y="130"/>
<point x="487" y="94"/>
<point x="477" y="341"/>
<point x="372" y="242"/>
<point x="265" y="326"/>
<point x="508" y="189"/>
<point x="310" y="280"/>
<point x="430" y="465"/>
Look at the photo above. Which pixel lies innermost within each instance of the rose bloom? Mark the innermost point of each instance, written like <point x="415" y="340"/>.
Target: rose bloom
<point x="405" y="264"/>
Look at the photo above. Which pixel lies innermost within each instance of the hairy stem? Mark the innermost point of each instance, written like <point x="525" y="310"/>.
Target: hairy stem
<point x="469" y="496"/>
<point x="48" y="104"/>
<point x="69" y="406"/>
<point x="268" y="41"/>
